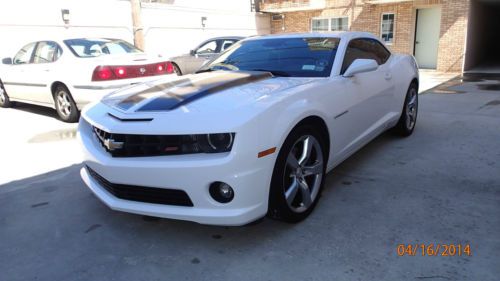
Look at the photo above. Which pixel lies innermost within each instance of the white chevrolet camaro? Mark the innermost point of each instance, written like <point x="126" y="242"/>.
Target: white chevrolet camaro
<point x="67" y="74"/>
<point x="252" y="133"/>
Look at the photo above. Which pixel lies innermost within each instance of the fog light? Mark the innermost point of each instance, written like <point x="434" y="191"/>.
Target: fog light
<point x="221" y="192"/>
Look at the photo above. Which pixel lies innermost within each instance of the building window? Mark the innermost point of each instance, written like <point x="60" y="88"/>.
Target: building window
<point x="387" y="28"/>
<point x="320" y="25"/>
<point x="330" y="24"/>
<point x="339" y="24"/>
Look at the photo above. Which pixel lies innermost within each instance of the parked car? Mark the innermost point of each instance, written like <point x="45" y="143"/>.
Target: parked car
<point x="207" y="50"/>
<point x="253" y="133"/>
<point x="67" y="74"/>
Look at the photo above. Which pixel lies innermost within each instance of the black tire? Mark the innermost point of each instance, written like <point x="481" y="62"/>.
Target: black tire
<point x="65" y="105"/>
<point x="284" y="176"/>
<point x="4" y="98"/>
<point x="177" y="70"/>
<point x="408" y="119"/>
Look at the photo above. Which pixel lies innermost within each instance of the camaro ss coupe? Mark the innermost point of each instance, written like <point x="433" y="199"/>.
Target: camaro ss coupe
<point x="70" y="73"/>
<point x="251" y="133"/>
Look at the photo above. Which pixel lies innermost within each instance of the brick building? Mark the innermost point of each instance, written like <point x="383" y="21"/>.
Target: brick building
<point x="447" y="35"/>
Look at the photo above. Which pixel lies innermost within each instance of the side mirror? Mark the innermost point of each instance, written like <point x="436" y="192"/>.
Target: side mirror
<point x="7" y="60"/>
<point x="360" y="66"/>
<point x="192" y="52"/>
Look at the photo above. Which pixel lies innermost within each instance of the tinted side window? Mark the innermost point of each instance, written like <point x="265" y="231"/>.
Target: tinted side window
<point x="46" y="52"/>
<point x="364" y="49"/>
<point x="24" y="55"/>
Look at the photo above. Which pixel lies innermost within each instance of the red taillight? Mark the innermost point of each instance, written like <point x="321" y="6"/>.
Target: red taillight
<point x="170" y="67"/>
<point x="102" y="73"/>
<point x="120" y="72"/>
<point x="164" y="68"/>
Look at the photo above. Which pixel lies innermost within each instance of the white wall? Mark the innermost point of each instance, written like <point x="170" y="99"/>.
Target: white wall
<point x="169" y="29"/>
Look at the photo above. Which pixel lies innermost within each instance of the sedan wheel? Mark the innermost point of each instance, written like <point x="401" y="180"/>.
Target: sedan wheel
<point x="65" y="105"/>
<point x="4" y="98"/>
<point x="298" y="175"/>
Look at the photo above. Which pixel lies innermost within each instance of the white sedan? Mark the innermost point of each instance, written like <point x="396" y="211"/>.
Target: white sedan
<point x="68" y="74"/>
<point x="252" y="133"/>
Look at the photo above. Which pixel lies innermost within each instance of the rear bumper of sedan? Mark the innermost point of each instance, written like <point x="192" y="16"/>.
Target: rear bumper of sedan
<point x="131" y="184"/>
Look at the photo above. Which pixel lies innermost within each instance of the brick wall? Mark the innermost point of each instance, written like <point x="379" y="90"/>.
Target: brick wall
<point x="364" y="17"/>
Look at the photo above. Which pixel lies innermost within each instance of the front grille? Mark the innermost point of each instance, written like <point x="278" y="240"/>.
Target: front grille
<point x="143" y="194"/>
<point x="127" y="145"/>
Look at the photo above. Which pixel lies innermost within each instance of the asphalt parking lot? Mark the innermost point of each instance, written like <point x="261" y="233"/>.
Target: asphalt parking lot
<point x="439" y="186"/>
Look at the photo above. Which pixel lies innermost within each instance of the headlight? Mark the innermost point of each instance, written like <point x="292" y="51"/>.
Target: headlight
<point x="213" y="143"/>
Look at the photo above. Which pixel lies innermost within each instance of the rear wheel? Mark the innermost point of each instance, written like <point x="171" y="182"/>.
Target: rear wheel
<point x="177" y="70"/>
<point x="65" y="105"/>
<point x="408" y="119"/>
<point x="298" y="175"/>
<point x="4" y="98"/>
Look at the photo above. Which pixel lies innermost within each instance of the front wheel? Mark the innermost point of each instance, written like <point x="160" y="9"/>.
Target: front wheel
<point x="65" y="105"/>
<point x="4" y="98"/>
<point x="298" y="175"/>
<point x="408" y="119"/>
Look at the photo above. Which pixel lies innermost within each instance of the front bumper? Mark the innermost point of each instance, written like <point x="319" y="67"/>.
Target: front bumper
<point x="193" y="174"/>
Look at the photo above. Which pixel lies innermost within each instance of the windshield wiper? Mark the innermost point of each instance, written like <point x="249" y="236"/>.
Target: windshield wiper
<point x="277" y="73"/>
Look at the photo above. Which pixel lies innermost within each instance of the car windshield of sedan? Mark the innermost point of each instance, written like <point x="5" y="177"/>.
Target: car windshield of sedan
<point x="289" y="57"/>
<point x="88" y="48"/>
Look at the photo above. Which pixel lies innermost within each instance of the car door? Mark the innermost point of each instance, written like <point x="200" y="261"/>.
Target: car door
<point x="42" y="71"/>
<point x="205" y="52"/>
<point x="15" y="79"/>
<point x="371" y="94"/>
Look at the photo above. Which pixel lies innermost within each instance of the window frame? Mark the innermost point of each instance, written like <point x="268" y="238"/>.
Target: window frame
<point x="55" y="57"/>
<point x="217" y="47"/>
<point x="31" y="56"/>
<point x="329" y="28"/>
<point x="393" y="28"/>
<point x="342" y="70"/>
<point x="337" y="18"/>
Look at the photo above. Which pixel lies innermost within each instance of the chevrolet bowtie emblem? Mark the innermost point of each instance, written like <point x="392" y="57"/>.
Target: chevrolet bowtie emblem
<point x="112" y="145"/>
<point x="109" y="143"/>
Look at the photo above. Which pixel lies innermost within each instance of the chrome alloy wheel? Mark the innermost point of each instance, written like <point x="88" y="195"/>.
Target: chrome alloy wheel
<point x="411" y="109"/>
<point x="303" y="173"/>
<point x="63" y="103"/>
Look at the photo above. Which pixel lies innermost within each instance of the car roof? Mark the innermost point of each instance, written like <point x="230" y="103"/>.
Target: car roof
<point x="333" y="34"/>
<point x="226" y="37"/>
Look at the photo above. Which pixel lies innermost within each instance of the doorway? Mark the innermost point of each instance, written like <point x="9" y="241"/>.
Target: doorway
<point x="482" y="53"/>
<point x="427" y="30"/>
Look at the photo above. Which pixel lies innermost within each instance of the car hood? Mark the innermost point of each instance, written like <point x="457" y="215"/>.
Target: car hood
<point x="203" y="92"/>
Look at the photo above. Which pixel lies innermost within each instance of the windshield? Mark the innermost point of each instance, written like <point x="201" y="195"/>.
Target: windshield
<point x="294" y="57"/>
<point x="87" y="48"/>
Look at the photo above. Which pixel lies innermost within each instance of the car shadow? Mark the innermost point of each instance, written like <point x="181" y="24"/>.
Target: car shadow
<point x="36" y="109"/>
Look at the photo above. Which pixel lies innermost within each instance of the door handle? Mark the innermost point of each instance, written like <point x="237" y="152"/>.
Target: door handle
<point x="388" y="76"/>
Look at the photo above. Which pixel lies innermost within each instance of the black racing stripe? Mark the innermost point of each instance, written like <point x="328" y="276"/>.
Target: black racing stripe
<point x="195" y="90"/>
<point x="140" y="96"/>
